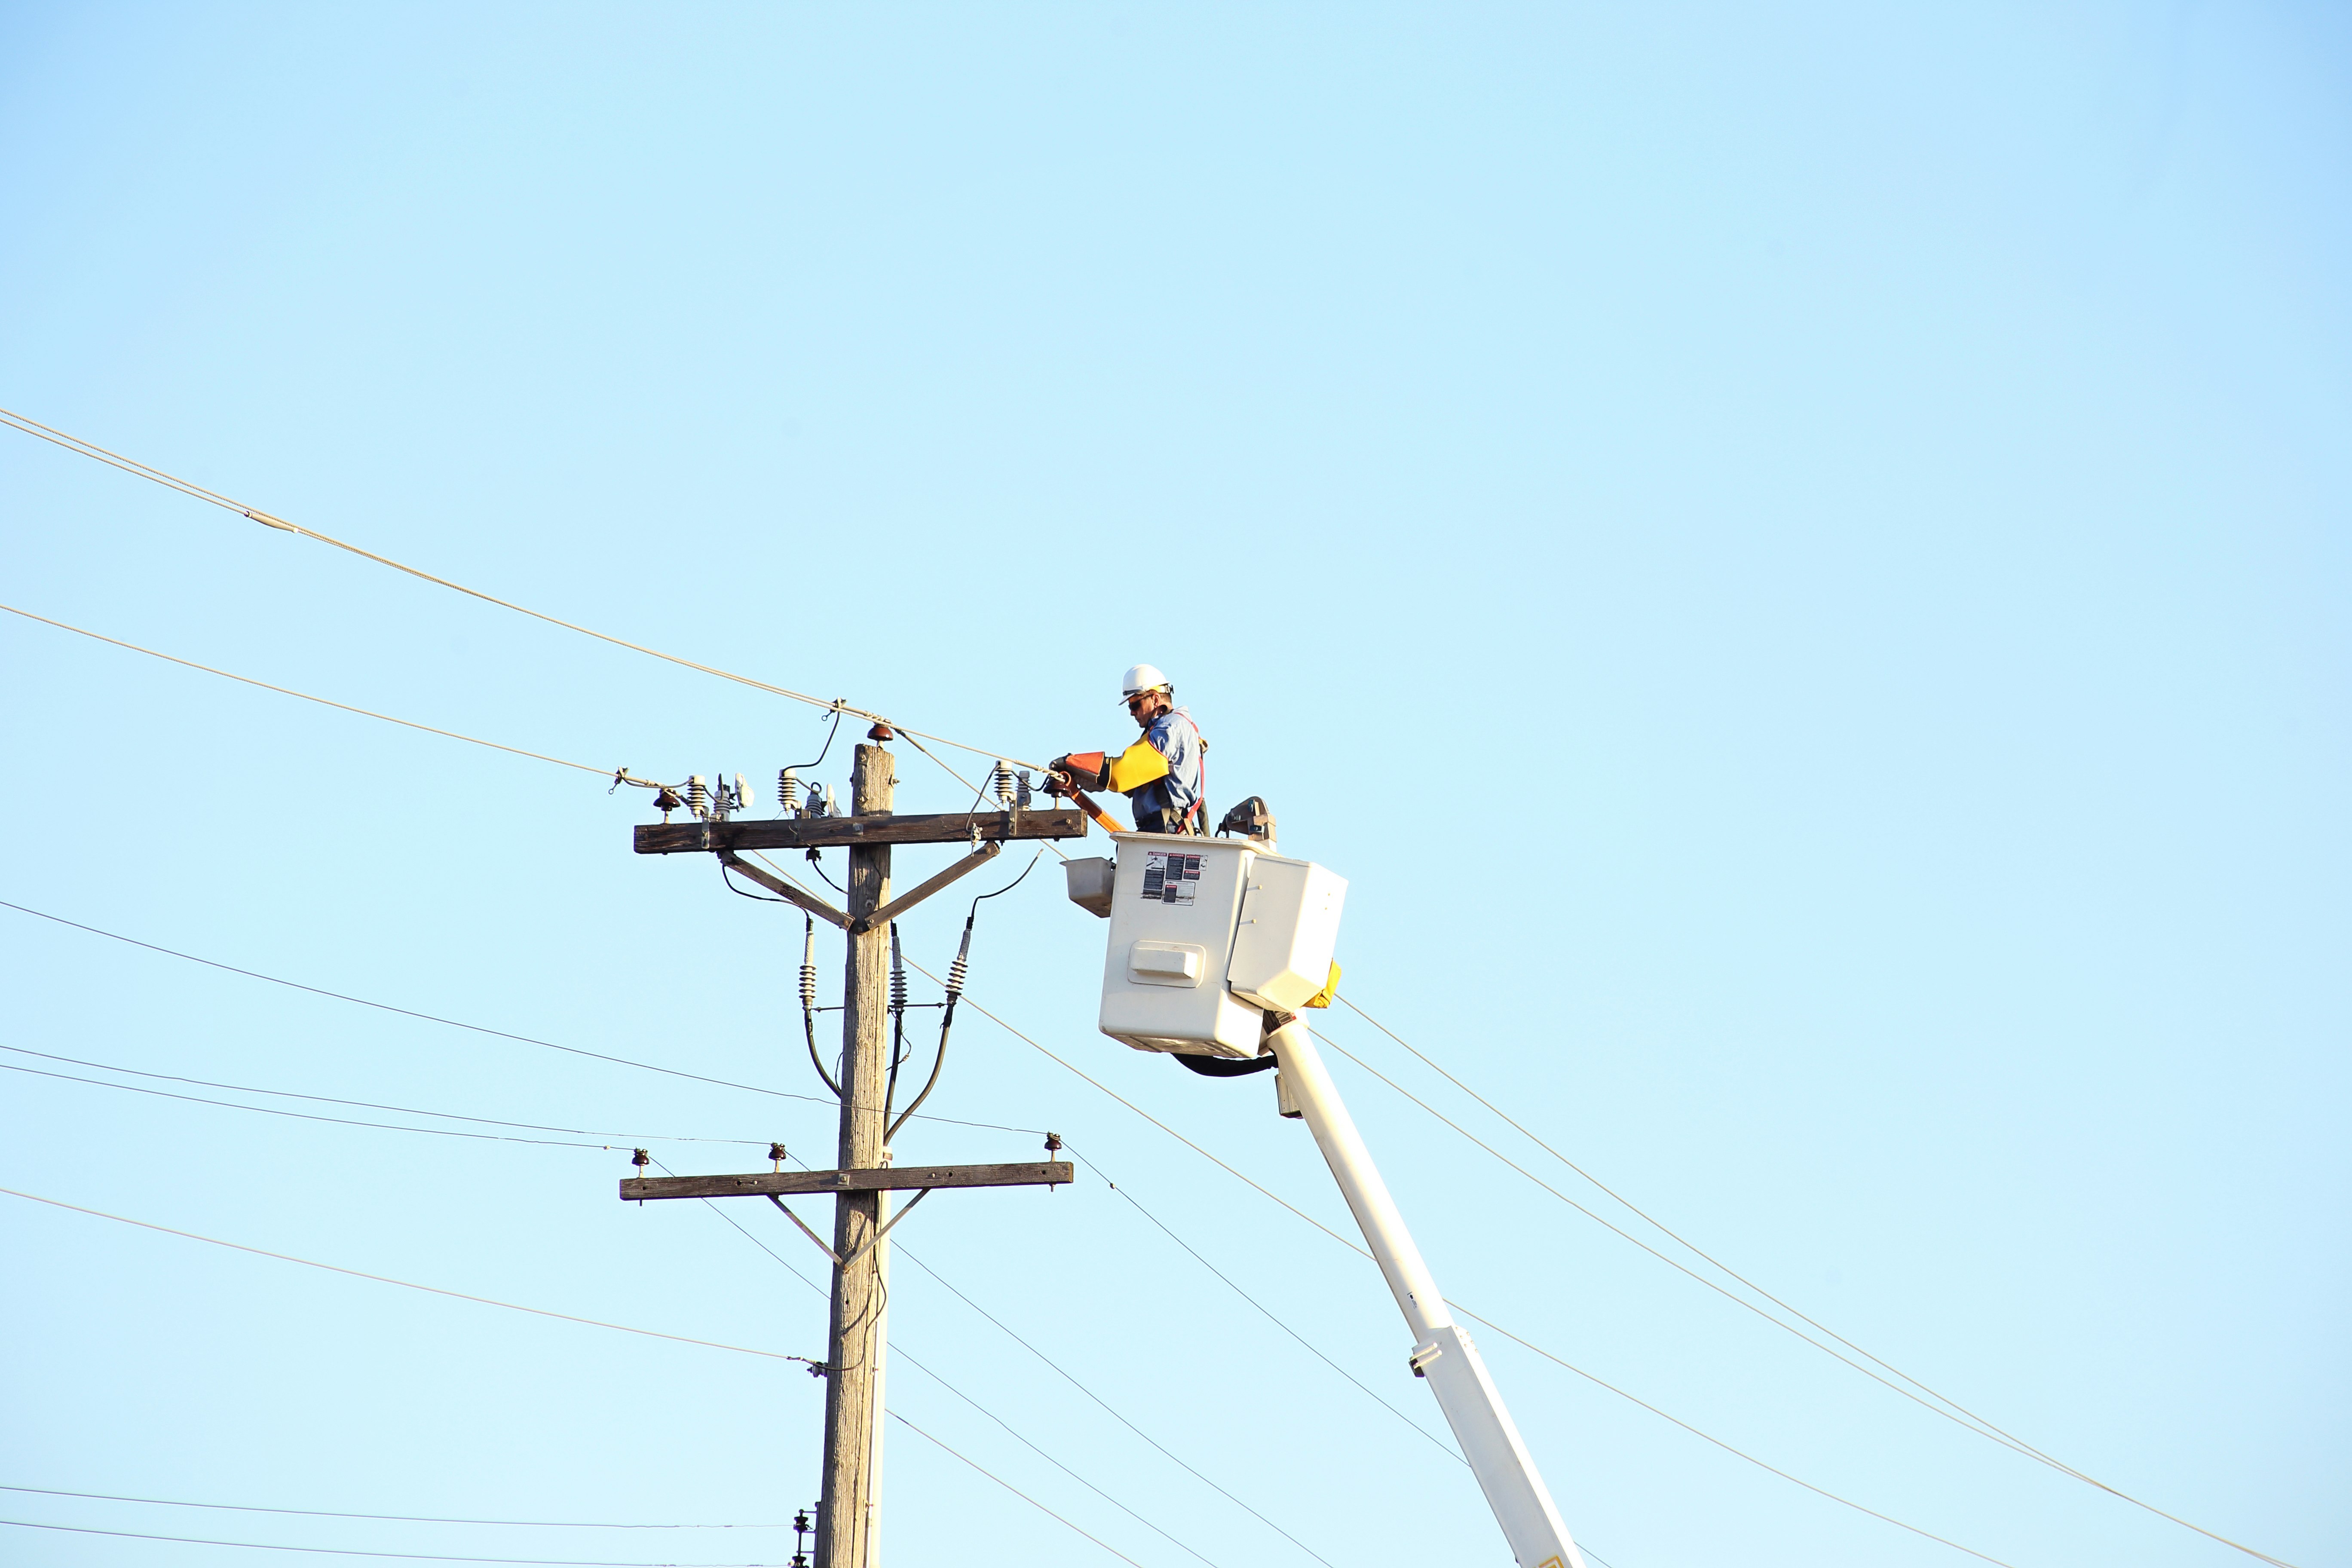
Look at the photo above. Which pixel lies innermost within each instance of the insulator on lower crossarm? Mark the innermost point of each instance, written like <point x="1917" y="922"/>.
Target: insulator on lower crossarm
<point x="808" y="966"/>
<point x="962" y="966"/>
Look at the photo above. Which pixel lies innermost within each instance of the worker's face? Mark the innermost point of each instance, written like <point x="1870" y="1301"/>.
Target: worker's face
<point x="1146" y="706"/>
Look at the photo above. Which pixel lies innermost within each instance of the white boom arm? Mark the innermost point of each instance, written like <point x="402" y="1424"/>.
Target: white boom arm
<point x="1442" y="1351"/>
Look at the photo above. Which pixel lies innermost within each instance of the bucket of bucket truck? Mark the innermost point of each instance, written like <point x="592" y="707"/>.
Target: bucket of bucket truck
<point x="1206" y="934"/>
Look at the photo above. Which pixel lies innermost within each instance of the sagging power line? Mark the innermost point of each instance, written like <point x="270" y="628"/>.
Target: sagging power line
<point x="189" y="487"/>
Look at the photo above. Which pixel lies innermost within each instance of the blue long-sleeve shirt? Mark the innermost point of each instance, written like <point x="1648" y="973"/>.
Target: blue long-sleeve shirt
<point x="1175" y="737"/>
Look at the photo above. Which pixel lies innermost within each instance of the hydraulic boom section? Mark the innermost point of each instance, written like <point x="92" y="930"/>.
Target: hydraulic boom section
<point x="1214" y="943"/>
<point x="1442" y="1351"/>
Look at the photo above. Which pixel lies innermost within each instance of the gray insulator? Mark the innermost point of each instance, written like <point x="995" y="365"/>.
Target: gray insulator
<point x="962" y="964"/>
<point x="808" y="965"/>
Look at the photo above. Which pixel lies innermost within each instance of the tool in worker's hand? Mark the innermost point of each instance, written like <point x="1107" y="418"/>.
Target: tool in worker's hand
<point x="1065" y="775"/>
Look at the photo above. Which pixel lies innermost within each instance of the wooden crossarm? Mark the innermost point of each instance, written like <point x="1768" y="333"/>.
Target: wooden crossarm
<point x="822" y="832"/>
<point x="887" y="1178"/>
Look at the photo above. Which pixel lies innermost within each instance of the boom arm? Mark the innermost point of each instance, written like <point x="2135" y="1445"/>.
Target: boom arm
<point x="1442" y="1351"/>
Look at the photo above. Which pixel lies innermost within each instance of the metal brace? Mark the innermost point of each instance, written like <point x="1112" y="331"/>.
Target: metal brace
<point x="871" y="1241"/>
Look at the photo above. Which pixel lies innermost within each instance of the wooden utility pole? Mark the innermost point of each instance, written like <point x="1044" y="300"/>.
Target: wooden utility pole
<point x="843" y="1523"/>
<point x="854" y="1361"/>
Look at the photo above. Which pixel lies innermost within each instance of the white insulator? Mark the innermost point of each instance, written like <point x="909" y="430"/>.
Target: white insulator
<point x="788" y="789"/>
<point x="1004" y="785"/>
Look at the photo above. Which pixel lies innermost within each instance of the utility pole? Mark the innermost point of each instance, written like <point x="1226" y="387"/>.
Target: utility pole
<point x="847" y="1517"/>
<point x="844" y="1533"/>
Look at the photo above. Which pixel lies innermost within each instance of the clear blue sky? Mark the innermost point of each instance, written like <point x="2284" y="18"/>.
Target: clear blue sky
<point x="1795" y="556"/>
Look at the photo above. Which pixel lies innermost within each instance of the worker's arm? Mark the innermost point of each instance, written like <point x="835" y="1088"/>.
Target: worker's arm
<point x="1125" y="773"/>
<point x="1137" y="767"/>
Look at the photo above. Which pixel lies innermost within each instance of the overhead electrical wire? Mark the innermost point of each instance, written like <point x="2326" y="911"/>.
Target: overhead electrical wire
<point x="477" y="1028"/>
<point x="341" y="1120"/>
<point x="1958" y="1414"/>
<point x="404" y="1284"/>
<point x="1441" y="1445"/>
<point x="1970" y="1425"/>
<point x="480" y="1301"/>
<point x="370" y="1104"/>
<point x="1359" y="1249"/>
<point x="901" y="1352"/>
<point x="510" y="1306"/>
<point x="1059" y="1371"/>
<point x="1008" y="1486"/>
<point x="187" y="487"/>
<point x="322" y="701"/>
<point x="386" y="1518"/>
<point x="354" y="1550"/>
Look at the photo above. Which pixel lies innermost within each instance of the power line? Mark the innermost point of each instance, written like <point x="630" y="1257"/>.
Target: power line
<point x="322" y="701"/>
<point x="908" y="735"/>
<point x="1965" y="1417"/>
<point x="390" y="1518"/>
<point x="1979" y="1429"/>
<point x="309" y="1116"/>
<point x="1720" y="1443"/>
<point x="1360" y="1251"/>
<point x="351" y="1551"/>
<point x="363" y="1104"/>
<point x="404" y="1284"/>
<point x="476" y="1028"/>
<point x="906" y="1356"/>
<point x="487" y="1301"/>
<point x="970" y="1001"/>
<point x="187" y="487"/>
<point x="1008" y="1486"/>
<point x="1170" y="1453"/>
<point x="1265" y="1311"/>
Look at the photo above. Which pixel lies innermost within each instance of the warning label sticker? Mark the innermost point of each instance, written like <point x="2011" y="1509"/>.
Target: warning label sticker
<point x="1169" y="878"/>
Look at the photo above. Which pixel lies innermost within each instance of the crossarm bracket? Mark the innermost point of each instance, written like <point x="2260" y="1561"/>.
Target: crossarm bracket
<point x="784" y="889"/>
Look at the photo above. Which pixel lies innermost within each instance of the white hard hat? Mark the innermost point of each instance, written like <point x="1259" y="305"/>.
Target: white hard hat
<point x="1142" y="678"/>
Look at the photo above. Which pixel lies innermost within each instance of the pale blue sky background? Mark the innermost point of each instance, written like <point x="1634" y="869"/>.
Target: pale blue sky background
<point x="1794" y="556"/>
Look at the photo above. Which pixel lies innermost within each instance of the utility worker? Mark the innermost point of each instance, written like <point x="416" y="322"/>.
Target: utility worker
<point x="1163" y="773"/>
